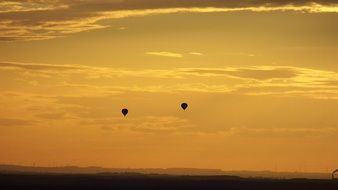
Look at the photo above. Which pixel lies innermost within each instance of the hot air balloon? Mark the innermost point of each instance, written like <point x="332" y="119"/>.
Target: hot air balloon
<point x="124" y="111"/>
<point x="184" y="106"/>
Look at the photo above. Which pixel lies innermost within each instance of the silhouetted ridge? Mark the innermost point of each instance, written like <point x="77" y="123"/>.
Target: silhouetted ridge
<point x="167" y="171"/>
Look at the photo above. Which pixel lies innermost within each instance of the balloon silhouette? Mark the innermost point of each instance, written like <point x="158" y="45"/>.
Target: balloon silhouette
<point x="124" y="111"/>
<point x="184" y="106"/>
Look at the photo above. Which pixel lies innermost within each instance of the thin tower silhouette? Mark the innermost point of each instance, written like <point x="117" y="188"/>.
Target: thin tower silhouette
<point x="333" y="173"/>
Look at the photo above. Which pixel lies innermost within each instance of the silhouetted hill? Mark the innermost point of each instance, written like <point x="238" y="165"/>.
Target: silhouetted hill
<point x="166" y="171"/>
<point x="125" y="181"/>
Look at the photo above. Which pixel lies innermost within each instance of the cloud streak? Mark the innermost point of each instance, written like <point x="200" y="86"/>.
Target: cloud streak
<point x="253" y="80"/>
<point x="259" y="73"/>
<point x="25" y="6"/>
<point x="56" y="18"/>
<point x="9" y="122"/>
<point x="39" y="67"/>
<point x="165" y="54"/>
<point x="282" y="132"/>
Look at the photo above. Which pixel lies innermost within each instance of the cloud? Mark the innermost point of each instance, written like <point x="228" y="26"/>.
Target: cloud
<point x="167" y="124"/>
<point x="195" y="53"/>
<point x="39" y="67"/>
<point x="144" y="124"/>
<point x="56" y="18"/>
<point x="88" y="71"/>
<point x="24" y="6"/>
<point x="165" y="54"/>
<point x="263" y="74"/>
<point x="53" y="116"/>
<point x="241" y="54"/>
<point x="259" y="73"/>
<point x="284" y="131"/>
<point x="272" y="132"/>
<point x="8" y="122"/>
<point x="250" y="80"/>
<point x="108" y="5"/>
<point x="171" y="54"/>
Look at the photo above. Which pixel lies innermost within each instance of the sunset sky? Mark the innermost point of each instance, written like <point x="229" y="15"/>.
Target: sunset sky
<point x="260" y="78"/>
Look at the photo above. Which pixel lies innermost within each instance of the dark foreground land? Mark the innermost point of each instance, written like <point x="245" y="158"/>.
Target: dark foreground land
<point x="155" y="182"/>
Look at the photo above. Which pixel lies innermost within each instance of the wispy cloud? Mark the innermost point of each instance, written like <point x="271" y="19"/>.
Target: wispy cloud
<point x="25" y="6"/>
<point x="240" y="54"/>
<point x="251" y="80"/>
<point x="51" y="19"/>
<point x="273" y="132"/>
<point x="165" y="54"/>
<point x="9" y="122"/>
<point x="37" y="66"/>
<point x="260" y="73"/>
<point x="146" y="124"/>
<point x="195" y="53"/>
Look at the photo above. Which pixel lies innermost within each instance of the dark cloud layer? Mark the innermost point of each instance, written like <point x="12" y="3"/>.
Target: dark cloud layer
<point x="78" y="9"/>
<point x="154" y="4"/>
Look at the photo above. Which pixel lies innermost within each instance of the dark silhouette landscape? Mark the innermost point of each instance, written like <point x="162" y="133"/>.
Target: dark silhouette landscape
<point x="21" y="177"/>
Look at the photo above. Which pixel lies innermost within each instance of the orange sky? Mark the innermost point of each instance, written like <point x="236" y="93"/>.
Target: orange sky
<point x="260" y="77"/>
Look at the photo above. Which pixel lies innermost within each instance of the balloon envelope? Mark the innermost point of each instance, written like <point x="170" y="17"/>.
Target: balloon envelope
<point x="124" y="111"/>
<point x="184" y="106"/>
